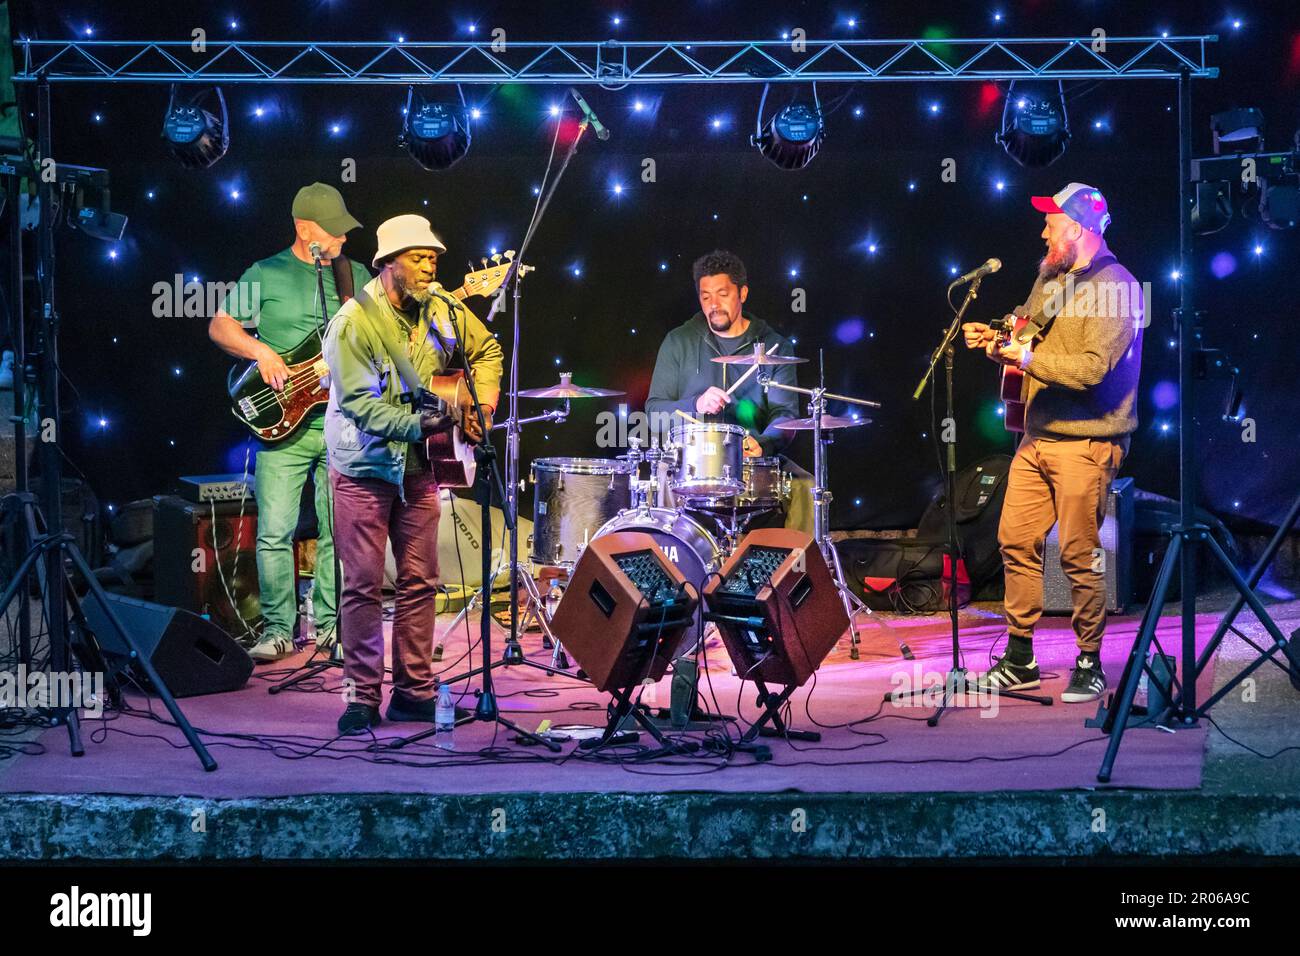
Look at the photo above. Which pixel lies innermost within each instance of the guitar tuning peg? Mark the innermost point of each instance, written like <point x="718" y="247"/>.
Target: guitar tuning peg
<point x="510" y="254"/>
<point x="484" y="261"/>
<point x="496" y="259"/>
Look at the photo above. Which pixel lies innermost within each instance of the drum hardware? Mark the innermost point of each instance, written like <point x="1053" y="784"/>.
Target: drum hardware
<point x="821" y="494"/>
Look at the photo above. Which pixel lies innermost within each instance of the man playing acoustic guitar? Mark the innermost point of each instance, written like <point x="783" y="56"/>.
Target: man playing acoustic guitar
<point x="1080" y="394"/>
<point x="399" y="327"/>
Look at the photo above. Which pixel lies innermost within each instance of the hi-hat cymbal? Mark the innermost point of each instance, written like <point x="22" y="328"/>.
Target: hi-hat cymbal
<point x="749" y="358"/>
<point x="828" y="421"/>
<point x="566" y="389"/>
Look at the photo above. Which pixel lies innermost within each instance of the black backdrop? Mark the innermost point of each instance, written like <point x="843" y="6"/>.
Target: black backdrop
<point x="145" y="395"/>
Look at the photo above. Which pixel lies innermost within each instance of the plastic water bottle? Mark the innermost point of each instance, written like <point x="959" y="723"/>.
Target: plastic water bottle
<point x="553" y="594"/>
<point x="309" y="620"/>
<point x="444" y="719"/>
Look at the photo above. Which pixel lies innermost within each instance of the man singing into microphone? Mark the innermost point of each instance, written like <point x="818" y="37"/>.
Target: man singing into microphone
<point x="383" y="485"/>
<point x="1080" y="390"/>
<point x="283" y="287"/>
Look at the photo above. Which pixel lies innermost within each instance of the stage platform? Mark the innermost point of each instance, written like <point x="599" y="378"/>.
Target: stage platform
<point x="881" y="784"/>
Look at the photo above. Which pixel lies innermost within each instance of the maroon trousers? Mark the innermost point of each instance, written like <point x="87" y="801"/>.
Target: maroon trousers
<point x="368" y="512"/>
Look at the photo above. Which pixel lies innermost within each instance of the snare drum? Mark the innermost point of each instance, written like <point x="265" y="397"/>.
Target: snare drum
<point x="572" y="499"/>
<point x="709" y="459"/>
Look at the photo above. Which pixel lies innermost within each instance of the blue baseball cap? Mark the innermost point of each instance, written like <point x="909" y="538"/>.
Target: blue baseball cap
<point x="1083" y="203"/>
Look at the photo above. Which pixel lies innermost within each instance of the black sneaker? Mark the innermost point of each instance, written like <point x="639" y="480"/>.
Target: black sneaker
<point x="357" y="719"/>
<point x="1005" y="675"/>
<point x="1087" y="681"/>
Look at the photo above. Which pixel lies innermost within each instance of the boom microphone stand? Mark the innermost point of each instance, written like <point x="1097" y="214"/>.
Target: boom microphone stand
<point x="513" y="653"/>
<point x="489" y="478"/>
<point x="956" y="680"/>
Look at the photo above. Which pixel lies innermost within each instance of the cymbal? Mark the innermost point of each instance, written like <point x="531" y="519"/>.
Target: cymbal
<point x="828" y="422"/>
<point x="566" y="389"/>
<point x="748" y="358"/>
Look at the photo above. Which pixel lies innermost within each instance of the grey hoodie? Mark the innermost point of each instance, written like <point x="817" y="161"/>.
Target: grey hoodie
<point x="684" y="370"/>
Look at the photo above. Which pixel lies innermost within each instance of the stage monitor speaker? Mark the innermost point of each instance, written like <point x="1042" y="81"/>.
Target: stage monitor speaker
<point x="625" y="612"/>
<point x="1117" y="557"/>
<point x="776" y="606"/>
<point x="192" y="655"/>
<point x="205" y="560"/>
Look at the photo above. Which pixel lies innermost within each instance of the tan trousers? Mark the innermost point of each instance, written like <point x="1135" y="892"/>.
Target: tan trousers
<point x="1065" y="483"/>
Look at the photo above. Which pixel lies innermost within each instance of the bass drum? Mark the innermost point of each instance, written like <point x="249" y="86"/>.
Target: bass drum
<point x="685" y="542"/>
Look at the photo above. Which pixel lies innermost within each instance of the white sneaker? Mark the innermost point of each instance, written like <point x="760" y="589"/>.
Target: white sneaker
<point x="272" y="647"/>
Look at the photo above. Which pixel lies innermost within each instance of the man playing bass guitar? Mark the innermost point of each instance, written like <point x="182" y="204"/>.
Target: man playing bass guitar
<point x="279" y="302"/>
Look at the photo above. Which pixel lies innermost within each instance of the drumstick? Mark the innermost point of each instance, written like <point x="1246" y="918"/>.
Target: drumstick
<point x="689" y="418"/>
<point x="752" y="369"/>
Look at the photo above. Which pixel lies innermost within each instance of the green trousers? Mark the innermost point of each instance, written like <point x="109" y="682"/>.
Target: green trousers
<point x="281" y="471"/>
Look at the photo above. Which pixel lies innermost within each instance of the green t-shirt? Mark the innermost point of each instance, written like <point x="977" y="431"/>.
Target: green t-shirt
<point x="276" y="299"/>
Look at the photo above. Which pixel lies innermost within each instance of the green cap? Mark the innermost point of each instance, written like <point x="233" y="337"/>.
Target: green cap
<point x="322" y="204"/>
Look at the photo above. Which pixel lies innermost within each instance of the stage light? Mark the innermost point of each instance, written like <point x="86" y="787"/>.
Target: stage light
<point x="934" y="109"/>
<point x="1000" y="185"/>
<point x="871" y="248"/>
<point x="1243" y="129"/>
<point x="663" y="267"/>
<point x="112" y="253"/>
<point x="1259" y="250"/>
<point x="793" y="135"/>
<point x="149" y="194"/>
<point x="857" y="111"/>
<point x="1175" y="275"/>
<point x="1279" y="204"/>
<point x="1035" y="134"/>
<point x="554" y="110"/>
<point x="98" y="117"/>
<point x="638" y="106"/>
<point x="911" y="187"/>
<point x="437" y="135"/>
<point x="196" y="138"/>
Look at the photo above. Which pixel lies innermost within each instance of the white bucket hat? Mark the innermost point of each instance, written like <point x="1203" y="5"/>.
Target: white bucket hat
<point x="404" y="232"/>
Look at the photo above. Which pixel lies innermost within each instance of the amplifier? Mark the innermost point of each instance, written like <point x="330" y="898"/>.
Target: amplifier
<point x="1117" y="545"/>
<point x="776" y="607"/>
<point x="203" y="488"/>
<point x="625" y="612"/>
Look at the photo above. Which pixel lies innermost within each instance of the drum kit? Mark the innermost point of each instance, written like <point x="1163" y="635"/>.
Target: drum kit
<point x="695" y="494"/>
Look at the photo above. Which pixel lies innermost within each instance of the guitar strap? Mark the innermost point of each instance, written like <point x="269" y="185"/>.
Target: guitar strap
<point x="341" y="266"/>
<point x="410" y="378"/>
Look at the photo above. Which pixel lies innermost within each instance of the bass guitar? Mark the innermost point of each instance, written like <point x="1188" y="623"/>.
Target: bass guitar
<point x="275" y="415"/>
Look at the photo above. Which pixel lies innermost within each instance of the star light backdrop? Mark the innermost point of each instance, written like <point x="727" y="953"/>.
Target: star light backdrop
<point x="869" y="230"/>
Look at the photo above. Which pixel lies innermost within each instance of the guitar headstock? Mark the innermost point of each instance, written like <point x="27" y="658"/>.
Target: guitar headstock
<point x="487" y="280"/>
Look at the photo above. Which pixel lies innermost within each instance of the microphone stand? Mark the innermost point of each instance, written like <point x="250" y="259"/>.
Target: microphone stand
<point x="489" y="480"/>
<point x="513" y="653"/>
<point x="957" y="677"/>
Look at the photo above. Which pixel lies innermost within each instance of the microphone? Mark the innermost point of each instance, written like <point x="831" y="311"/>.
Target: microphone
<point x="993" y="265"/>
<point x="315" y="250"/>
<point x="601" y="132"/>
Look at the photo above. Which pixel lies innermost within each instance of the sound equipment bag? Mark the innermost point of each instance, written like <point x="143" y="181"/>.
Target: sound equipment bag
<point x="980" y="489"/>
<point x="904" y="575"/>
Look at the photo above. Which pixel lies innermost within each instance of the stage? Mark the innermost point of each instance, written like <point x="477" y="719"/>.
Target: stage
<point x="880" y="785"/>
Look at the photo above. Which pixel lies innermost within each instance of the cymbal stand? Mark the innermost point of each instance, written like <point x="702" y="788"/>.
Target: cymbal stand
<point x="821" y="498"/>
